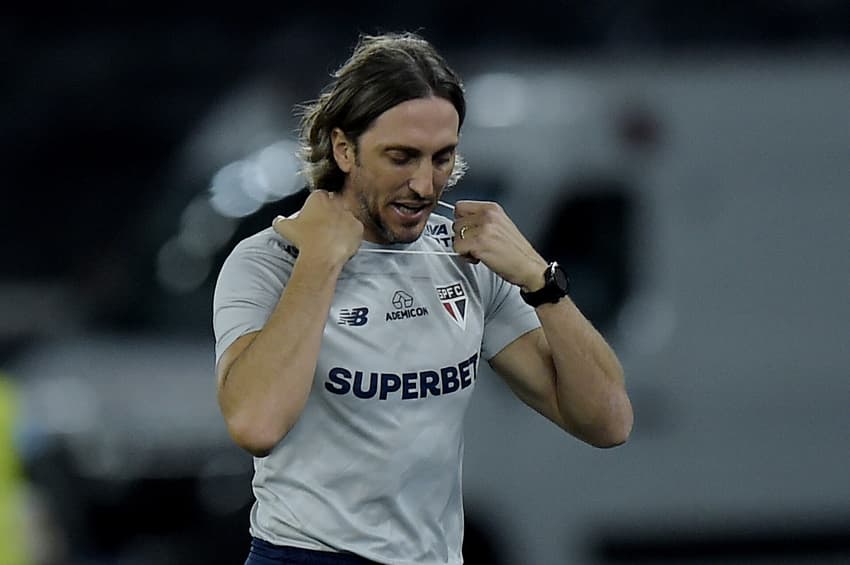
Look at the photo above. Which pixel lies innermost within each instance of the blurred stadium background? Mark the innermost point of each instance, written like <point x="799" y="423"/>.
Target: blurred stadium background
<point x="687" y="160"/>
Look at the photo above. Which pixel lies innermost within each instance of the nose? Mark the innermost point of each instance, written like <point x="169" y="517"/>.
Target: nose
<point x="422" y="181"/>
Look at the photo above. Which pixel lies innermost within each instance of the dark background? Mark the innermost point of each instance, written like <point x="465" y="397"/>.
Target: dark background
<point x="97" y="106"/>
<point x="100" y="115"/>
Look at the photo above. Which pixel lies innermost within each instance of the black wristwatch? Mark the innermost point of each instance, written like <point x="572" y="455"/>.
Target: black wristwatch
<point x="556" y="287"/>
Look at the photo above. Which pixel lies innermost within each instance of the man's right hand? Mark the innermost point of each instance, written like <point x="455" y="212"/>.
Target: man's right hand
<point x="323" y="227"/>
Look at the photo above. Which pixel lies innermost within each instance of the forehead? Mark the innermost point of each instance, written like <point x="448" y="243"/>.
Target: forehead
<point x="428" y="124"/>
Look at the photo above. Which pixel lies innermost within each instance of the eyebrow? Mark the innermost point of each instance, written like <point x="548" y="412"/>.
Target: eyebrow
<point x="413" y="151"/>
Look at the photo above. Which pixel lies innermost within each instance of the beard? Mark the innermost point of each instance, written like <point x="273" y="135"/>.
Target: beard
<point x="370" y="216"/>
<point x="369" y="212"/>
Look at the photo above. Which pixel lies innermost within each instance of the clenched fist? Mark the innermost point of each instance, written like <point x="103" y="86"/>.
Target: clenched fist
<point x="323" y="226"/>
<point x="484" y="232"/>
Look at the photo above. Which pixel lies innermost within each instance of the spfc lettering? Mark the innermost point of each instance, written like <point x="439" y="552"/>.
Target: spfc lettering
<point x="453" y="298"/>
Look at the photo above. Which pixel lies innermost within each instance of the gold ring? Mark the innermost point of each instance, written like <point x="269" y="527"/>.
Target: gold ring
<point x="463" y="231"/>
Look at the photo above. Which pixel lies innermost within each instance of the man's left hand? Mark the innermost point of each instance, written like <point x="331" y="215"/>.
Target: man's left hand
<point x="484" y="232"/>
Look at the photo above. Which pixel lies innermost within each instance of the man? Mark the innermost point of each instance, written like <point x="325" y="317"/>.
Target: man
<point x="349" y="334"/>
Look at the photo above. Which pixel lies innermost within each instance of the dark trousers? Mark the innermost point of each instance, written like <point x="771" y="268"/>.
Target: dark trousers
<point x="265" y="553"/>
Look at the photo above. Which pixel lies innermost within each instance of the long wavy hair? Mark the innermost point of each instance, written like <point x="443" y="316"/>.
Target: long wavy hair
<point x="382" y="72"/>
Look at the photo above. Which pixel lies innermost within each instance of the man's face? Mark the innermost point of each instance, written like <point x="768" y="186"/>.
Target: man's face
<point x="402" y="164"/>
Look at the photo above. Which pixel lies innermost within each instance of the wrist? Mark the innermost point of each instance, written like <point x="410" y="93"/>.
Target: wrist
<point x="321" y="263"/>
<point x="536" y="278"/>
<point x="334" y="253"/>
<point x="555" y="287"/>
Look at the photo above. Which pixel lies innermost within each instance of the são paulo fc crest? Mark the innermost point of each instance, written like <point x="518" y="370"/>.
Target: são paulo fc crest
<point x="453" y="298"/>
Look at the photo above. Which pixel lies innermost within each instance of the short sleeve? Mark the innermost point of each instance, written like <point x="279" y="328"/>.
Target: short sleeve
<point x="249" y="287"/>
<point x="506" y="316"/>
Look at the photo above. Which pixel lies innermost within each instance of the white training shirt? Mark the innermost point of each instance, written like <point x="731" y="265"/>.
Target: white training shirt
<point x="373" y="465"/>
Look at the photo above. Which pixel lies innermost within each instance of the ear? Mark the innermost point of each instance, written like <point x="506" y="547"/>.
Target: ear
<point x="343" y="150"/>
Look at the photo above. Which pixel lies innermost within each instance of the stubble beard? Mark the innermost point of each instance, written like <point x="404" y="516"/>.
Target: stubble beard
<point x="370" y="216"/>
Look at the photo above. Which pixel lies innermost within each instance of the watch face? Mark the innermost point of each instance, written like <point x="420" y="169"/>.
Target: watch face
<point x="560" y="277"/>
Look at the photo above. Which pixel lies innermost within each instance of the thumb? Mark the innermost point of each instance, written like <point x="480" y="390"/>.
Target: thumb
<point x="283" y="226"/>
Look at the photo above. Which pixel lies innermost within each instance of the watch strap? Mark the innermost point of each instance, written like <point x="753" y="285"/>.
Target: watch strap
<point x="555" y="287"/>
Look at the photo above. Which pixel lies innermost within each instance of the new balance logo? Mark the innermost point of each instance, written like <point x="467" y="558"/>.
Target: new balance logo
<point x="353" y="316"/>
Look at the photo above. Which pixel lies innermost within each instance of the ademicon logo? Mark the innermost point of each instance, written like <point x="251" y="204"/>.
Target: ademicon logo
<point x="404" y="309"/>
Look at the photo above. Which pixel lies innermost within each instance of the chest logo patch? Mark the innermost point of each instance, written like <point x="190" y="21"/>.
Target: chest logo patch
<point x="353" y="316"/>
<point x="404" y="307"/>
<point x="453" y="298"/>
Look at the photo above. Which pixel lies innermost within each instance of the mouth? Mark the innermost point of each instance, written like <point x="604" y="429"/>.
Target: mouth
<point x="411" y="212"/>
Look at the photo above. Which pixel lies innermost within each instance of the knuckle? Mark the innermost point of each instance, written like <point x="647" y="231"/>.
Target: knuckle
<point x="492" y="209"/>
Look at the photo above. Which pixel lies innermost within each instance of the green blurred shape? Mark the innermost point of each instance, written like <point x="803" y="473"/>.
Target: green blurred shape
<point x="13" y="537"/>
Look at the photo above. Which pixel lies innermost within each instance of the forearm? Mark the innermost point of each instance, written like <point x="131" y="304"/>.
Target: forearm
<point x="590" y="389"/>
<point x="265" y="389"/>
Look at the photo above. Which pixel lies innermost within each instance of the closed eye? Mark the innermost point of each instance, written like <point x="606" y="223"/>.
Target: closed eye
<point x="403" y="156"/>
<point x="400" y="157"/>
<point x="443" y="159"/>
